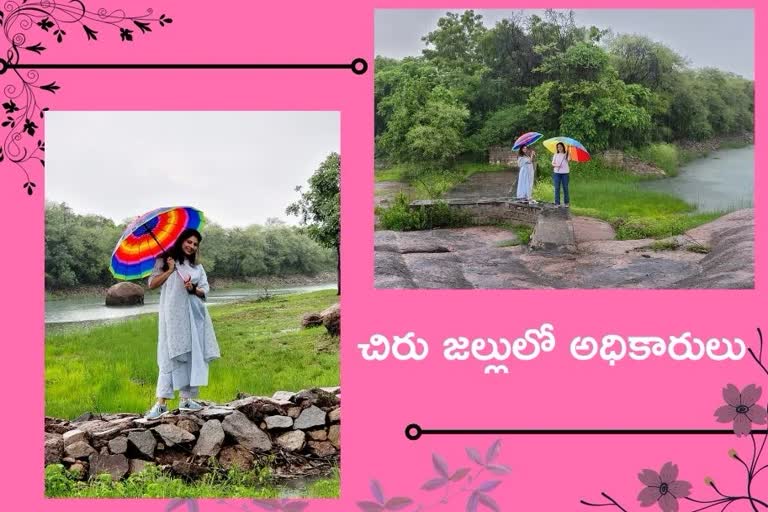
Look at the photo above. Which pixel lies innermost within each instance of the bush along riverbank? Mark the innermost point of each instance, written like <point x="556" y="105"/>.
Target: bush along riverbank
<point x="250" y="442"/>
<point x="603" y="188"/>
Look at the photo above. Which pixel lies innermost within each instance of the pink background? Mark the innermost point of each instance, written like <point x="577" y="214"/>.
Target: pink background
<point x="380" y="399"/>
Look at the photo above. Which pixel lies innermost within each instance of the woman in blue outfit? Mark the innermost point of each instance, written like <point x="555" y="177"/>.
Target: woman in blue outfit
<point x="186" y="342"/>
<point x="561" y="173"/>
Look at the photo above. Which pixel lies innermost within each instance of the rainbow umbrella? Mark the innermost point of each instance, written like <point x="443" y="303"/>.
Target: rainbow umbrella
<point x="148" y="236"/>
<point x="576" y="150"/>
<point x="526" y="139"/>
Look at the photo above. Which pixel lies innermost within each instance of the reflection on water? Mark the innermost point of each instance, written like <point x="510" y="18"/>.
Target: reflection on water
<point x="724" y="180"/>
<point x="84" y="309"/>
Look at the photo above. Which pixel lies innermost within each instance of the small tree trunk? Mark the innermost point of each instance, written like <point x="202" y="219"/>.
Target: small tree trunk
<point x="338" y="269"/>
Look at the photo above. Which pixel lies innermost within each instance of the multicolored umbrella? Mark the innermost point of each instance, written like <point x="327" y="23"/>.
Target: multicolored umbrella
<point x="576" y="150"/>
<point x="148" y="236"/>
<point x="526" y="139"/>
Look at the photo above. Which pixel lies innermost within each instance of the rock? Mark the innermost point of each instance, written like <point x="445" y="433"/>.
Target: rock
<point x="293" y="412"/>
<point x="118" y="445"/>
<point x="104" y="450"/>
<point x="215" y="412"/>
<point x="125" y="294"/>
<point x="274" y="422"/>
<point x="292" y="441"/>
<point x="173" y="435"/>
<point x="86" y="416"/>
<point x="256" y="408"/>
<point x="334" y="416"/>
<point x="333" y="435"/>
<point x="236" y="456"/>
<point x="189" y="425"/>
<point x="78" y="469"/>
<point x="80" y="450"/>
<point x="310" y="418"/>
<point x="188" y="470"/>
<point x="246" y="433"/>
<point x="317" y="397"/>
<point x="332" y="320"/>
<point x="334" y="390"/>
<point x="168" y="457"/>
<point x="54" y="448"/>
<point x="115" y="465"/>
<point x="143" y="442"/>
<point x="322" y="448"/>
<point x="69" y="460"/>
<point x="283" y="396"/>
<point x="137" y="465"/>
<point x="56" y="426"/>
<point x="74" y="436"/>
<point x="554" y="231"/>
<point x="210" y="440"/>
<point x="318" y="435"/>
<point x="311" y="320"/>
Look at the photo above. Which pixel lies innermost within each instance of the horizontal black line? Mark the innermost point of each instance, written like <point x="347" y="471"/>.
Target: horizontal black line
<point x="581" y="431"/>
<point x="180" y="66"/>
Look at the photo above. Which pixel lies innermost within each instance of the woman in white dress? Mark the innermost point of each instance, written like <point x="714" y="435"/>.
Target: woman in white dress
<point x="525" y="161"/>
<point x="186" y="342"/>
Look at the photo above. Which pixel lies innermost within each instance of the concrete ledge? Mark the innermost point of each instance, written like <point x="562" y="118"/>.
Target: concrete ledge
<point x="485" y="210"/>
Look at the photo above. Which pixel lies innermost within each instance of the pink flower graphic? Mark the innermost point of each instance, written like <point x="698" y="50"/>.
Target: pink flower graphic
<point x="663" y="488"/>
<point x="742" y="408"/>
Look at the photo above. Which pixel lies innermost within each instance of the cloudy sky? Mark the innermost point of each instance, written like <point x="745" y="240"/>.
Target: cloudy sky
<point x="721" y="38"/>
<point x="240" y="168"/>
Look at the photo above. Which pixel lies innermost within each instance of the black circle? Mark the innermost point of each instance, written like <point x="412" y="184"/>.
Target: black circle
<point x="3" y="66"/>
<point x="742" y="409"/>
<point x="413" y="431"/>
<point x="359" y="66"/>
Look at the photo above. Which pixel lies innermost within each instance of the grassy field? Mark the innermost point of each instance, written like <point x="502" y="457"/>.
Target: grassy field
<point x="153" y="483"/>
<point x="104" y="368"/>
<point x="431" y="184"/>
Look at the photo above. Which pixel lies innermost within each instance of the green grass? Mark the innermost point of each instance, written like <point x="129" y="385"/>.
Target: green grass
<point x="111" y="367"/>
<point x="433" y="183"/>
<point x="665" y="245"/>
<point x="664" y="156"/>
<point x="154" y="483"/>
<point x="401" y="217"/>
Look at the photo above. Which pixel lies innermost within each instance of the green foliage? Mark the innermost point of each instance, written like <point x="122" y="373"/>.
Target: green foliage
<point x="401" y="217"/>
<point x="663" y="156"/>
<point x="111" y="367"/>
<point x="152" y="482"/>
<point x="476" y="86"/>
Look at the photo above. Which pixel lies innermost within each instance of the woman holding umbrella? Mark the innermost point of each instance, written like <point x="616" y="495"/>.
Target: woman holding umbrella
<point x="525" y="162"/>
<point x="560" y="174"/>
<point x="186" y="340"/>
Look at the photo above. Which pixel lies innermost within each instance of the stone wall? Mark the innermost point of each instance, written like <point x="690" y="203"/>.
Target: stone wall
<point x="490" y="210"/>
<point x="294" y="430"/>
<point x="502" y="155"/>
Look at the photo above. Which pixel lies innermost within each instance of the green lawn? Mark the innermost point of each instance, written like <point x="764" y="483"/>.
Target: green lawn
<point x="112" y="367"/>
<point x="431" y="184"/>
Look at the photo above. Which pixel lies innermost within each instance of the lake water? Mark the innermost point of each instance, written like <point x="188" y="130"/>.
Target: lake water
<point x="85" y="309"/>
<point x="723" y="180"/>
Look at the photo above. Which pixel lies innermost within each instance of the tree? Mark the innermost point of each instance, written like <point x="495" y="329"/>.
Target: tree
<point x="456" y="40"/>
<point x="319" y="208"/>
<point x="639" y="60"/>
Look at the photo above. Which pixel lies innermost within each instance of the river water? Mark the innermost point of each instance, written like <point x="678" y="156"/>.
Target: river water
<point x="86" y="309"/>
<point x="723" y="180"/>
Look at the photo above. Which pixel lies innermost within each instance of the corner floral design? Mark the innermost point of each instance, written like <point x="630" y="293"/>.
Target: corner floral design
<point x="663" y="488"/>
<point x="742" y="408"/>
<point x="28" y="27"/>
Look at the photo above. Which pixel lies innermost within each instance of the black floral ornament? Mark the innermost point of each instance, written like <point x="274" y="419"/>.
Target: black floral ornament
<point x="26" y="26"/>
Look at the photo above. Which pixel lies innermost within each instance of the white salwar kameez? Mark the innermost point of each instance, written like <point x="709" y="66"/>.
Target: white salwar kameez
<point x="186" y="342"/>
<point x="525" y="178"/>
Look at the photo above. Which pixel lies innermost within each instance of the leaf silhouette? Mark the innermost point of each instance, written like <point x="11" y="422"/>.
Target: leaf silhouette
<point x="90" y="32"/>
<point x="499" y="469"/>
<point x="370" y="506"/>
<point x="488" y="485"/>
<point x="45" y="24"/>
<point x="163" y="20"/>
<point x="144" y="27"/>
<point x="440" y="465"/>
<point x="295" y="506"/>
<point x="38" y="48"/>
<point x="126" y="34"/>
<point x="435" y="483"/>
<point x="397" y="503"/>
<point x="51" y="87"/>
<point x="377" y="492"/>
<point x="472" y="502"/>
<point x="474" y="455"/>
<point x="489" y="502"/>
<point x="459" y="474"/>
<point x="493" y="451"/>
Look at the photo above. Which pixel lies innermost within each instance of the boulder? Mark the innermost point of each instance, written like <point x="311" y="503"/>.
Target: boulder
<point x="332" y="319"/>
<point x="311" y="320"/>
<point x="236" y="456"/>
<point x="292" y="441"/>
<point x="286" y="396"/>
<point x="318" y="435"/>
<point x="144" y="443"/>
<point x="78" y="469"/>
<point x="334" y="416"/>
<point x="310" y="417"/>
<point x="137" y="465"/>
<point x="322" y="448"/>
<point x="189" y="425"/>
<point x="188" y="470"/>
<point x="275" y="422"/>
<point x="54" y="448"/>
<point x="210" y="440"/>
<point x="116" y="465"/>
<point x="73" y="436"/>
<point x="118" y="445"/>
<point x="173" y="435"/>
<point x="246" y="433"/>
<point x="125" y="294"/>
<point x="80" y="450"/>
<point x="333" y="435"/>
